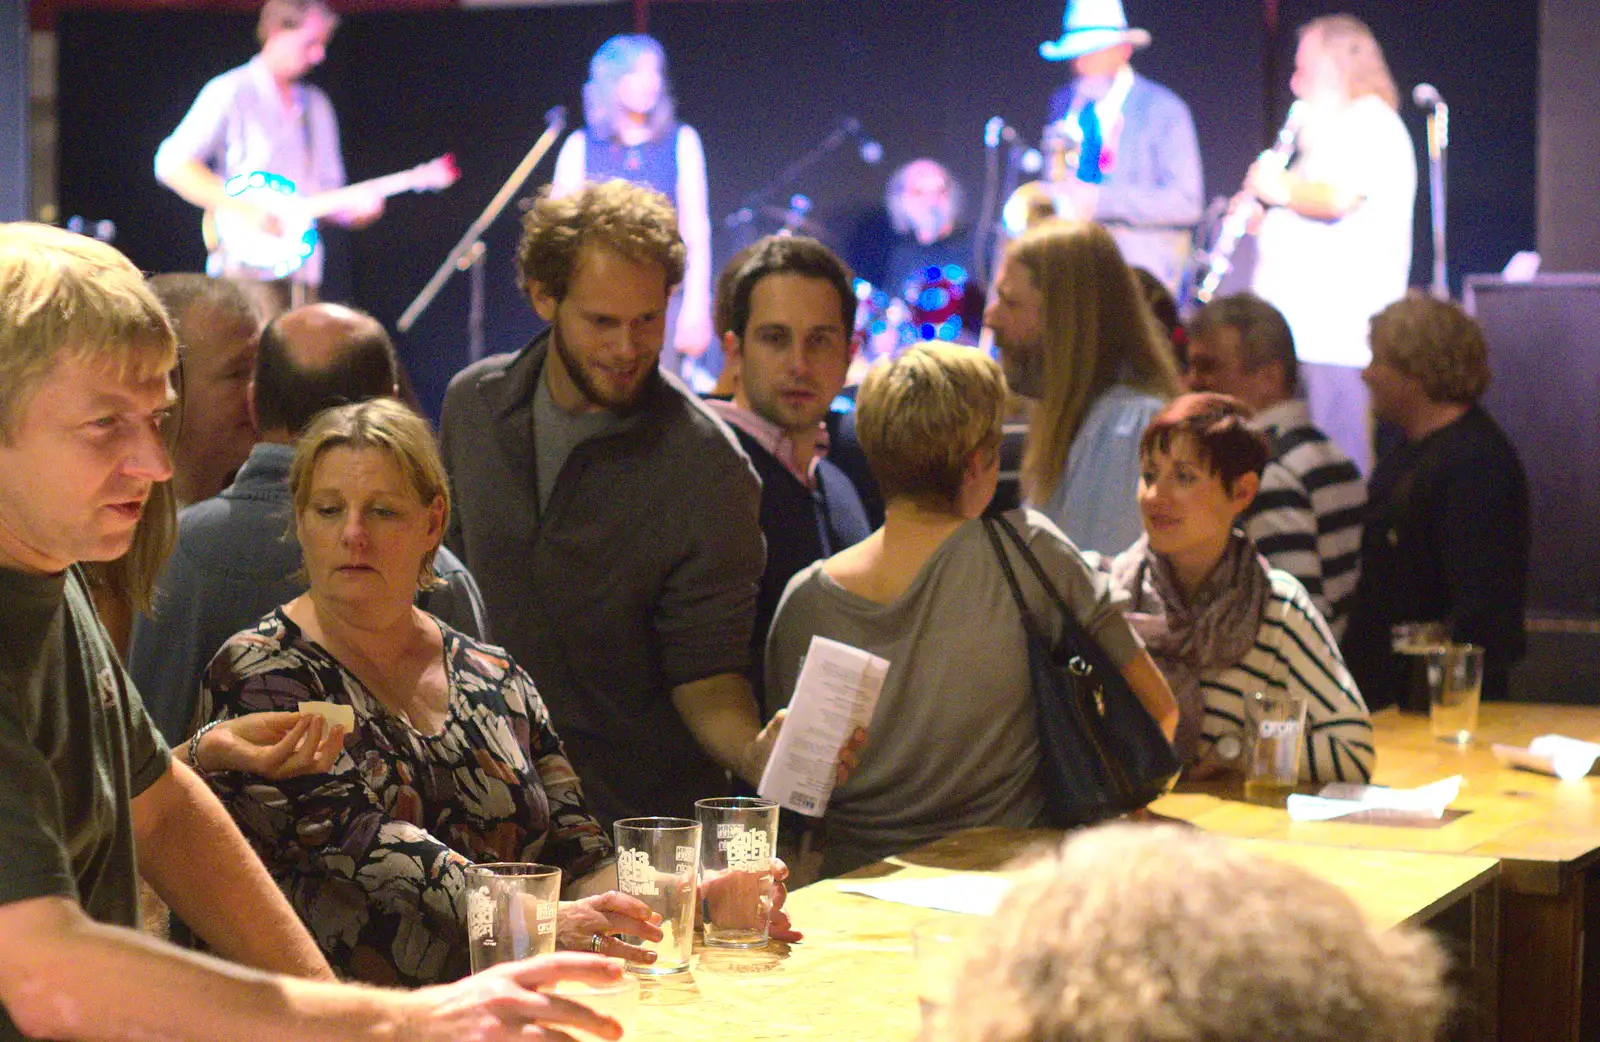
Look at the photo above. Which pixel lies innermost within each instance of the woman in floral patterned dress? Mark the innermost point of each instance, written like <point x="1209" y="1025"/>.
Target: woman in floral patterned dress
<point x="452" y="759"/>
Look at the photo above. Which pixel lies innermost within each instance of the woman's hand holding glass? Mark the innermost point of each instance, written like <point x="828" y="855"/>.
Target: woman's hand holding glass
<point x="604" y="916"/>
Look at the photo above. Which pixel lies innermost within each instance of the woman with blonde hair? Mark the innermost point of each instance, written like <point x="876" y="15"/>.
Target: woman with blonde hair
<point x="1077" y="337"/>
<point x="953" y="743"/>
<point x="451" y="759"/>
<point x="633" y="133"/>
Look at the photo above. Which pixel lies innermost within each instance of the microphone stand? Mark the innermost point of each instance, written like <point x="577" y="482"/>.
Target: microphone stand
<point x="1438" y="144"/>
<point x="469" y="254"/>
<point x="994" y="132"/>
<point x="745" y="212"/>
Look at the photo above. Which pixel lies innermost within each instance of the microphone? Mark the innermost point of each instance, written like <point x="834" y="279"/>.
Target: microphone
<point x="996" y="131"/>
<point x="871" y="151"/>
<point x="1426" y="95"/>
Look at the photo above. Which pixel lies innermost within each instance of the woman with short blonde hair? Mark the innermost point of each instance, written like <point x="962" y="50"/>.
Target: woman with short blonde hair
<point x="953" y="742"/>
<point x="921" y="421"/>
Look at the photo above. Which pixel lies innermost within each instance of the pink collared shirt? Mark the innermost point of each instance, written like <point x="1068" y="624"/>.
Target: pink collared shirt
<point x="773" y="438"/>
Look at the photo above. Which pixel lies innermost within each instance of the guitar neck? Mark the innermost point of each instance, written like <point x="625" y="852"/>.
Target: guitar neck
<point x="324" y="203"/>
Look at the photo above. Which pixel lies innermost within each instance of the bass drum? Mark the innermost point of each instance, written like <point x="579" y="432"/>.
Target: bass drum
<point x="933" y="304"/>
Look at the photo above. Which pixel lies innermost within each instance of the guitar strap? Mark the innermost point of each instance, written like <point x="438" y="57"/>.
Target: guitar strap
<point x="308" y="141"/>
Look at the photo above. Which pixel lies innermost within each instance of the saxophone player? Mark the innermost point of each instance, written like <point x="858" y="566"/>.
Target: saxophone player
<point x="1334" y="244"/>
<point x="1126" y="151"/>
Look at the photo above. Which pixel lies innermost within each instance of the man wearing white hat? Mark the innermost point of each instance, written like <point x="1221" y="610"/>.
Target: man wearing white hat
<point x="1137" y="169"/>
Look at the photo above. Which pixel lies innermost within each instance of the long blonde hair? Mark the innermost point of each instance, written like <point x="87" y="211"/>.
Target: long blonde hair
<point x="1098" y="331"/>
<point x="1350" y="45"/>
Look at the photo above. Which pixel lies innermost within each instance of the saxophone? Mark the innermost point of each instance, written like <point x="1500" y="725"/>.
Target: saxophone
<point x="1042" y="199"/>
<point x="1219" y="261"/>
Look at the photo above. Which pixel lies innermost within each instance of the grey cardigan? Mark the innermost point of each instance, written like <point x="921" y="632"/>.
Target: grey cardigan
<point x="640" y="575"/>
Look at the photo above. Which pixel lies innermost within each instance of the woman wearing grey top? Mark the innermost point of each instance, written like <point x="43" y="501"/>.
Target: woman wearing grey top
<point x="952" y="743"/>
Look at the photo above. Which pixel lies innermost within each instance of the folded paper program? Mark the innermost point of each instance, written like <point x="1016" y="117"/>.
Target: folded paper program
<point x="1427" y="802"/>
<point x="1553" y="754"/>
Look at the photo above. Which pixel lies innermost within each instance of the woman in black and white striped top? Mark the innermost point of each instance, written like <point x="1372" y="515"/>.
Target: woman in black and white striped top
<point x="1218" y="620"/>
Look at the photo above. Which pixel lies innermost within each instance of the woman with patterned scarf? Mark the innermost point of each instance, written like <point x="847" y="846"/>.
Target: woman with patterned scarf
<point x="1219" y="622"/>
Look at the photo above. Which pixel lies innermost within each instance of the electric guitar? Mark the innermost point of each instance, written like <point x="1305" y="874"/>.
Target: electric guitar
<point x="275" y="255"/>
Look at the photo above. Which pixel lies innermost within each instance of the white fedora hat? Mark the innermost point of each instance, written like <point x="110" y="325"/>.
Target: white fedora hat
<point x="1089" y="26"/>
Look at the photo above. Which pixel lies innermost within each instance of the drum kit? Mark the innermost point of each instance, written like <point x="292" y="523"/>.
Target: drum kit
<point x="931" y="303"/>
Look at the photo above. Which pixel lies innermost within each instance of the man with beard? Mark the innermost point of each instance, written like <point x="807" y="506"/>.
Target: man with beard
<point x="612" y="522"/>
<point x="791" y="322"/>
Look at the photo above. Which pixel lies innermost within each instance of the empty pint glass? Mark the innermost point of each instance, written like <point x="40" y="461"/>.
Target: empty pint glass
<point x="511" y="912"/>
<point x="738" y="838"/>
<point x="658" y="861"/>
<point x="1455" y="684"/>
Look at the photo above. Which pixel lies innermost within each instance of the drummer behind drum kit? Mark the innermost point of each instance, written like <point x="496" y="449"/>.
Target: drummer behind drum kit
<point x="931" y="305"/>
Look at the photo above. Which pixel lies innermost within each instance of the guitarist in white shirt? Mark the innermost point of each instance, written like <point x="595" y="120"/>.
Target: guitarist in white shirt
<point x="260" y="117"/>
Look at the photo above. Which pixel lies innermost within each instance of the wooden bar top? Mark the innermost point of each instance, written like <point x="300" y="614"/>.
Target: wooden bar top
<point x="852" y="977"/>
<point x="1544" y="830"/>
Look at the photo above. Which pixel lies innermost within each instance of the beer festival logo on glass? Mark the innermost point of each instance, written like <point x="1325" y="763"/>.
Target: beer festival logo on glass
<point x="544" y="913"/>
<point x="480" y="915"/>
<point x="635" y="874"/>
<point x="1279" y="728"/>
<point x="745" y="849"/>
<point x="688" y="858"/>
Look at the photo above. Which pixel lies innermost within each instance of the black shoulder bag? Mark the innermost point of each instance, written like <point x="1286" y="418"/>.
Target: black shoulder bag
<point x="1100" y="753"/>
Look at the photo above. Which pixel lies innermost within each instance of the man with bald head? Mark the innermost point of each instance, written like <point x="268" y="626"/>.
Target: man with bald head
<point x="237" y="558"/>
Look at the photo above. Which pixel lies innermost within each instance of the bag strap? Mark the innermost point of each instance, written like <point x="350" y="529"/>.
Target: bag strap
<point x="1068" y="618"/>
<point x="1029" y="623"/>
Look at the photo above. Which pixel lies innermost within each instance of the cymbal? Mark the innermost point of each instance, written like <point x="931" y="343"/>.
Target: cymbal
<point x="816" y="229"/>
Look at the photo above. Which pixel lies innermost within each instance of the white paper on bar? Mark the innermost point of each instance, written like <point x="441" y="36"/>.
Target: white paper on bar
<point x="836" y="693"/>
<point x="971" y="893"/>
<point x="1552" y="754"/>
<point x="1341" y="798"/>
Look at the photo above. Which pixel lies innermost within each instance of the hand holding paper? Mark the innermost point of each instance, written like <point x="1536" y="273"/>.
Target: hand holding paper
<point x="834" y="697"/>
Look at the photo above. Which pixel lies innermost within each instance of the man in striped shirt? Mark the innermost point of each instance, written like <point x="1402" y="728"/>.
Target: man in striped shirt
<point x="1307" y="517"/>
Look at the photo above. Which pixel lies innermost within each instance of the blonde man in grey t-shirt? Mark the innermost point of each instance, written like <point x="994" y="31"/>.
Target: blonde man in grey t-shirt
<point x="953" y="743"/>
